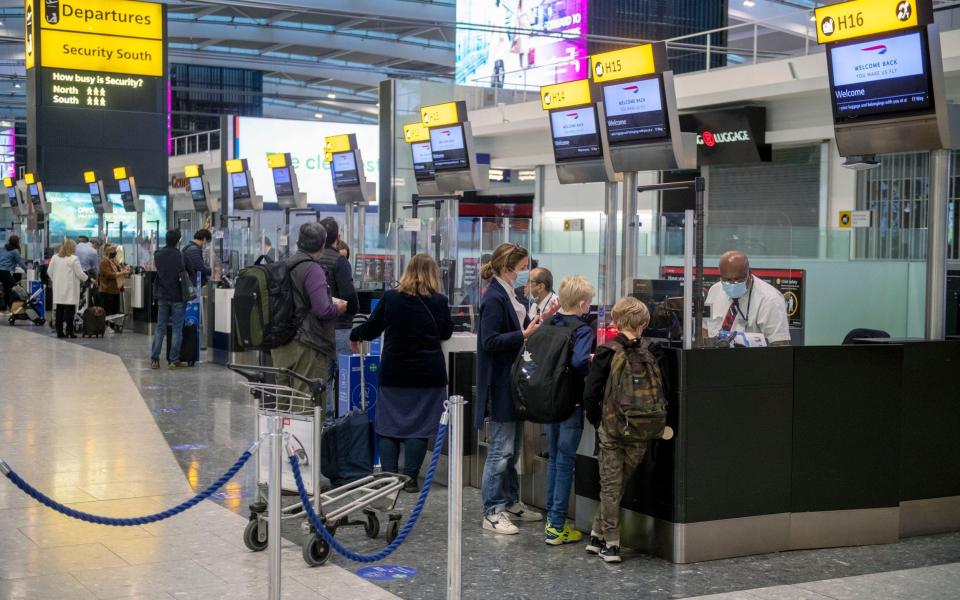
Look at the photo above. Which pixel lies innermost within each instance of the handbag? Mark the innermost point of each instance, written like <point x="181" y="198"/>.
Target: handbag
<point x="187" y="291"/>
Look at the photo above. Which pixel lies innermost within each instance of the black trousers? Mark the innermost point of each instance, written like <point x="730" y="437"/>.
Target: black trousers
<point x="110" y="303"/>
<point x="65" y="314"/>
<point x="6" y="279"/>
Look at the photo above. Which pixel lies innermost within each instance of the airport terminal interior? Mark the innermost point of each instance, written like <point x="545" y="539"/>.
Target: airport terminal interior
<point x="442" y="299"/>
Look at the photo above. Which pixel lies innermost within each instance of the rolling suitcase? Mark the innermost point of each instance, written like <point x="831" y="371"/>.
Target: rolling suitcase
<point x="94" y="322"/>
<point x="188" y="344"/>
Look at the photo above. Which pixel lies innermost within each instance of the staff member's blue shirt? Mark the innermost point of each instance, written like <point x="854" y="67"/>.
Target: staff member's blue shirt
<point x="11" y="259"/>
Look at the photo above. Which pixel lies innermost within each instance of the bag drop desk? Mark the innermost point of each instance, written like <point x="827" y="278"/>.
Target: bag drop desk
<point x="793" y="448"/>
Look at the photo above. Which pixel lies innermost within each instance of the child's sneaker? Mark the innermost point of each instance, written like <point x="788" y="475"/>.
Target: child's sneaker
<point x="596" y="544"/>
<point x="558" y="537"/>
<point x="610" y="554"/>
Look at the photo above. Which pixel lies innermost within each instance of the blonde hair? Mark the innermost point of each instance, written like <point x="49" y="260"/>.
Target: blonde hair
<point x="505" y="256"/>
<point x="630" y="314"/>
<point x="67" y="248"/>
<point x="422" y="277"/>
<point x="574" y="290"/>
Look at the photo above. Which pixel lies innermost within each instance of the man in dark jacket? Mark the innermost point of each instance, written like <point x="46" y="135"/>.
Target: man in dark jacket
<point x="340" y="278"/>
<point x="193" y="256"/>
<point x="309" y="353"/>
<point x="170" y="301"/>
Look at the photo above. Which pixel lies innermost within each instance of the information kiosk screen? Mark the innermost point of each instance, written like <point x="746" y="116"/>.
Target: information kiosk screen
<point x="281" y="181"/>
<point x="422" y="160"/>
<point x="879" y="77"/>
<point x="197" y="192"/>
<point x="34" y="194"/>
<point x="95" y="194"/>
<point x="575" y="133"/>
<point x="448" y="148"/>
<point x="124" y="186"/>
<point x="241" y="189"/>
<point x="344" y="169"/>
<point x="12" y="197"/>
<point x="635" y="111"/>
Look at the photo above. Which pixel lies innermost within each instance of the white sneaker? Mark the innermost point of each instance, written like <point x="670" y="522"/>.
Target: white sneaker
<point x="520" y="512"/>
<point x="500" y="523"/>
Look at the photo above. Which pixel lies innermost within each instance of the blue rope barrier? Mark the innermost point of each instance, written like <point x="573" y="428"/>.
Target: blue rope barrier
<point x="407" y="527"/>
<point x="128" y="522"/>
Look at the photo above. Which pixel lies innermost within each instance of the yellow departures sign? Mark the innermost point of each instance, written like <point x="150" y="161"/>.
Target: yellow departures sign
<point x="565" y="95"/>
<point x="620" y="64"/>
<point x="106" y="17"/>
<point x="416" y="132"/>
<point x="29" y="42"/>
<point x="861" y="18"/>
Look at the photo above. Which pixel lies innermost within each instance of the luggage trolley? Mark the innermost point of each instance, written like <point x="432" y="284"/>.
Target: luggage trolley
<point x="303" y="423"/>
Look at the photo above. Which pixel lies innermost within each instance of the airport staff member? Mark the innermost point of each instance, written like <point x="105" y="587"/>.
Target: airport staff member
<point x="742" y="302"/>
<point x="541" y="291"/>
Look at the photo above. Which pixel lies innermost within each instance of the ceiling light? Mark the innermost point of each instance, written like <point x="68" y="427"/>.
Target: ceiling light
<point x="17" y="86"/>
<point x="749" y="3"/>
<point x="332" y="96"/>
<point x="318" y="115"/>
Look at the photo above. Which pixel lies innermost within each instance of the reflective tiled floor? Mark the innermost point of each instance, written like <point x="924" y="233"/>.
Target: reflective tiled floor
<point x="189" y="426"/>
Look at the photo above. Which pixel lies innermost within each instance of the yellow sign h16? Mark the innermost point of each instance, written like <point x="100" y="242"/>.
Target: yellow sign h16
<point x="565" y="95"/>
<point x="861" y="18"/>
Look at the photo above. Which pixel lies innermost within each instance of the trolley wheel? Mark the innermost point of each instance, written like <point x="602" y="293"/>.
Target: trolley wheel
<point x="250" y="538"/>
<point x="40" y="322"/>
<point x="372" y="526"/>
<point x="393" y="528"/>
<point x="315" y="550"/>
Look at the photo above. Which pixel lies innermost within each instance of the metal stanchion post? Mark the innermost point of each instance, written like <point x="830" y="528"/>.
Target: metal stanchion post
<point x="455" y="493"/>
<point x="273" y="505"/>
<point x="318" y="423"/>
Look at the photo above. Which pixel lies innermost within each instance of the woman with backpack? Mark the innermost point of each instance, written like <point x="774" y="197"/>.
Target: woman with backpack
<point x="414" y="319"/>
<point x="624" y="400"/>
<point x="502" y="327"/>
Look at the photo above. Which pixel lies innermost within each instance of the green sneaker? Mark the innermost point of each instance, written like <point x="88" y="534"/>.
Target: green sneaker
<point x="557" y="537"/>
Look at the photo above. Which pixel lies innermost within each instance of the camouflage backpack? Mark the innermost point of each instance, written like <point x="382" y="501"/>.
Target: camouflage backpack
<point x="634" y="406"/>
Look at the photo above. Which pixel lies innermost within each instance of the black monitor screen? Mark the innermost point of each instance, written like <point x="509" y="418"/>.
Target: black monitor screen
<point x="422" y="160"/>
<point x="635" y="111"/>
<point x="448" y="148"/>
<point x="344" y="167"/>
<point x="575" y="133"/>
<point x="281" y="181"/>
<point x="238" y="181"/>
<point x="124" y="186"/>
<point x="879" y="77"/>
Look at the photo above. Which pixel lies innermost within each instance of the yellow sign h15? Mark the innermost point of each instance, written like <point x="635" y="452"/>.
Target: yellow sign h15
<point x="620" y="64"/>
<point x="439" y="115"/>
<point x="565" y="95"/>
<point x="106" y="17"/>
<point x="416" y="132"/>
<point x="860" y="18"/>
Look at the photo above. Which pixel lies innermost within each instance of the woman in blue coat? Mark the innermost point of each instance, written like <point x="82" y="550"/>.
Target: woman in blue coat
<point x="502" y="328"/>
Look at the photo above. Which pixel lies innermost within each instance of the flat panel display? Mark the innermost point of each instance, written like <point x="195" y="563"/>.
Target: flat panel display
<point x="344" y="169"/>
<point x="635" y="110"/>
<point x="281" y="181"/>
<point x="34" y="191"/>
<point x="575" y="133"/>
<point x="241" y="189"/>
<point x="517" y="43"/>
<point x="422" y="160"/>
<point x="12" y="197"/>
<point x="124" y="186"/>
<point x="448" y="148"/>
<point x="71" y="215"/>
<point x="95" y="189"/>
<point x="196" y="184"/>
<point x="879" y="77"/>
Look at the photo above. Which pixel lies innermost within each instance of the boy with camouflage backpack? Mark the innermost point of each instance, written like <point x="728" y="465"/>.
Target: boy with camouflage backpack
<point x="624" y="400"/>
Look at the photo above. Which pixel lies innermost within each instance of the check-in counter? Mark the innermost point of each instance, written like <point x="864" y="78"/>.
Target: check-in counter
<point x="791" y="448"/>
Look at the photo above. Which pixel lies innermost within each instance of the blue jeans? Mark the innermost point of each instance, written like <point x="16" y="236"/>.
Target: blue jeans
<point x="172" y="312"/>
<point x="500" y="485"/>
<point x="562" y="441"/>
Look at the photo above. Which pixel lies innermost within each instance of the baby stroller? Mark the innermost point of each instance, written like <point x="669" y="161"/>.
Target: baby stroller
<point x="24" y="306"/>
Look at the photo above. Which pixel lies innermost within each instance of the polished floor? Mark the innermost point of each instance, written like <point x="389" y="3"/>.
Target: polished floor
<point x="133" y="440"/>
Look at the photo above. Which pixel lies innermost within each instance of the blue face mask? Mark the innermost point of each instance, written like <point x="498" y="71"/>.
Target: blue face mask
<point x="735" y="290"/>
<point x="523" y="278"/>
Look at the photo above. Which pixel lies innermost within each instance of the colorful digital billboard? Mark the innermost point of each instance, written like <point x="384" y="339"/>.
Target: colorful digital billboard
<point x="520" y="43"/>
<point x="72" y="214"/>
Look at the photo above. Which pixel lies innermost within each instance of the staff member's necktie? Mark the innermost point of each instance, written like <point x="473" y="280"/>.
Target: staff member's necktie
<point x="730" y="317"/>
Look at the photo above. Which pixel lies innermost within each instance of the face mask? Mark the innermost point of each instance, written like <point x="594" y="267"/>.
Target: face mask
<point x="523" y="277"/>
<point x="735" y="290"/>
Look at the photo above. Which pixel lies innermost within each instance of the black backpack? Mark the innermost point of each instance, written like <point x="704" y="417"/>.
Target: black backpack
<point x="264" y="310"/>
<point x="543" y="390"/>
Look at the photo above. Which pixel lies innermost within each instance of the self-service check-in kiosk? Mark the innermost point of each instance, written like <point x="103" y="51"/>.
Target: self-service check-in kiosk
<point x="243" y="194"/>
<point x="455" y="164"/>
<point x="888" y="95"/>
<point x="289" y="197"/>
<point x="132" y="202"/>
<point x="98" y="197"/>
<point x="38" y="202"/>
<point x="418" y="136"/>
<point x="203" y="200"/>
<point x="350" y="186"/>
<point x="15" y="201"/>
<point x="579" y="143"/>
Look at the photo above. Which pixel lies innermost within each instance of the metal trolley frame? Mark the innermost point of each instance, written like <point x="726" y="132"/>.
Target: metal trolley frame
<point x="369" y="495"/>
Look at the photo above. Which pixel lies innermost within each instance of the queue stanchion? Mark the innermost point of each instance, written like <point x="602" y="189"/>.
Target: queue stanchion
<point x="455" y="492"/>
<point x="274" y="540"/>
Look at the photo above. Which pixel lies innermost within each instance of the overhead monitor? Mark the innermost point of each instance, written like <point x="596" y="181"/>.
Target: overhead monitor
<point x="344" y="170"/>
<point x="575" y="133"/>
<point x="281" y="181"/>
<point x="448" y="148"/>
<point x="635" y="110"/>
<point x="422" y="160"/>
<point x="883" y="76"/>
<point x="241" y="188"/>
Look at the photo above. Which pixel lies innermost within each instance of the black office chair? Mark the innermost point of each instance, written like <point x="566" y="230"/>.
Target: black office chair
<point x="856" y="334"/>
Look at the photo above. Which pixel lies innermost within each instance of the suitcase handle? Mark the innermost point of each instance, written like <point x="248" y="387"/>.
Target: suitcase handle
<point x="255" y="374"/>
